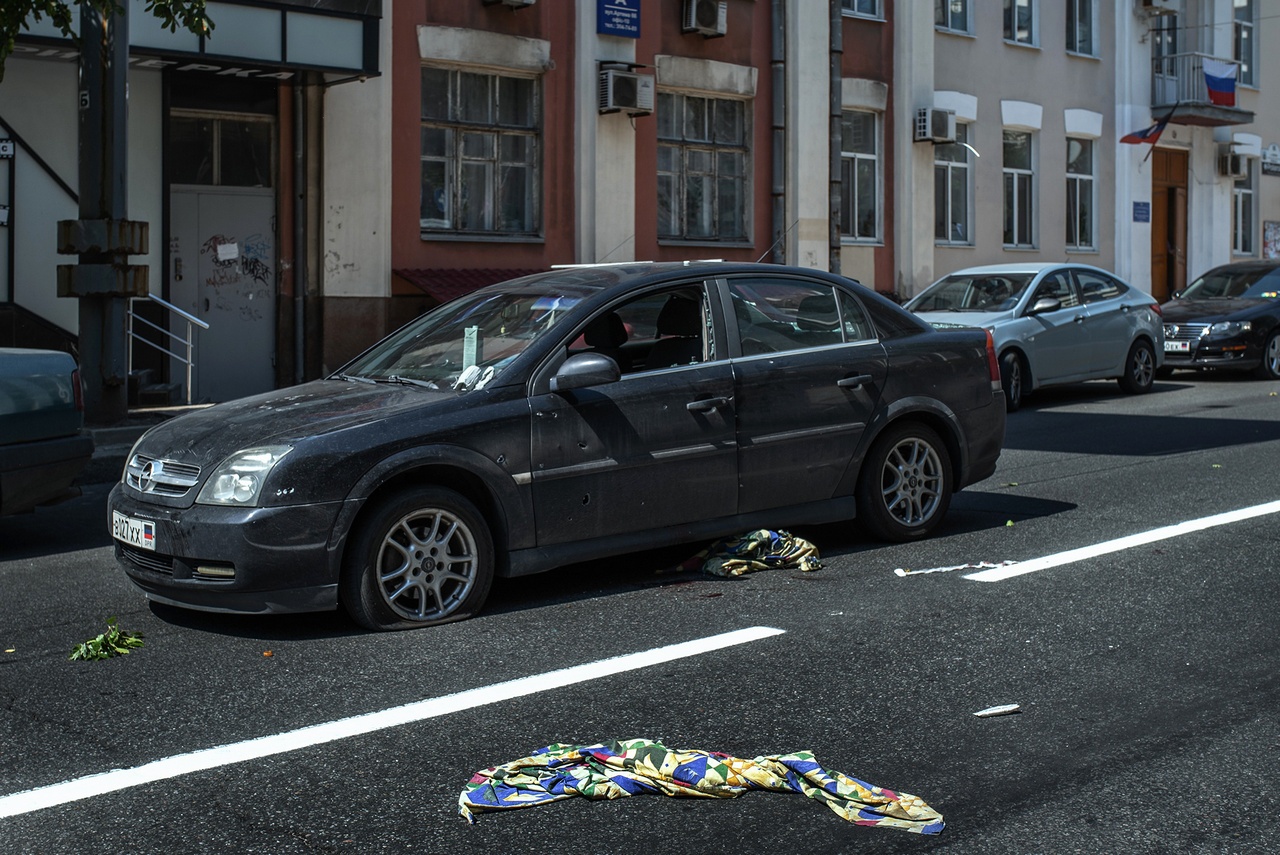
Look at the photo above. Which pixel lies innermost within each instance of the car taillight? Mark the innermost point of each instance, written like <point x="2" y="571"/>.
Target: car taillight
<point x="993" y="364"/>
<point x="1155" y="307"/>
<point x="79" y="390"/>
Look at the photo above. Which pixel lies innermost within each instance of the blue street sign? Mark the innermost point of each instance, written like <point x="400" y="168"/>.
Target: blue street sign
<point x="618" y="18"/>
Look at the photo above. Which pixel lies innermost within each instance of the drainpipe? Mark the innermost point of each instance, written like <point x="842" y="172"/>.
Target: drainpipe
<point x="299" y="238"/>
<point x="778" y="123"/>
<point x="837" y="142"/>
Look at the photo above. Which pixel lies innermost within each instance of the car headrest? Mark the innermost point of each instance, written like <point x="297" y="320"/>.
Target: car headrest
<point x="680" y="316"/>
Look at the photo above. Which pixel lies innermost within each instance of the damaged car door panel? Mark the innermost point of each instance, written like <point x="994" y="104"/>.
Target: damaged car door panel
<point x="561" y="417"/>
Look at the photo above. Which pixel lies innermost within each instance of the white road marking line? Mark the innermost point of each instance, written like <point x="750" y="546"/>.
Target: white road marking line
<point x="306" y="737"/>
<point x="1156" y="534"/>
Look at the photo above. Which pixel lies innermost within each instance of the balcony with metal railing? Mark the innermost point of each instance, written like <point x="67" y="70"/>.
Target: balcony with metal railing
<point x="1178" y="80"/>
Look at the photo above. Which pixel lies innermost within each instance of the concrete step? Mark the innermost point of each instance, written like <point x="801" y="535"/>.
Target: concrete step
<point x="111" y="444"/>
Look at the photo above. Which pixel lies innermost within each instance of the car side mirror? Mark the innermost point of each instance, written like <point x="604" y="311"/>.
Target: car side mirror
<point x="1045" y="304"/>
<point x="585" y="369"/>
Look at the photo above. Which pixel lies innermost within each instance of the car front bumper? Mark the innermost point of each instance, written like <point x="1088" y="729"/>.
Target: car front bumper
<point x="1228" y="354"/>
<point x="245" y="560"/>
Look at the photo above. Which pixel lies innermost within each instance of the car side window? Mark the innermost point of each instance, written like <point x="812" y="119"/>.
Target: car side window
<point x="1095" y="287"/>
<point x="778" y="315"/>
<point x="1058" y="286"/>
<point x="662" y="329"/>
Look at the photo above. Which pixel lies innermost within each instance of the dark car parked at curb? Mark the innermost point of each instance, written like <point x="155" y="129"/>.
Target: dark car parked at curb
<point x="42" y="446"/>
<point x="557" y="418"/>
<point x="1228" y="318"/>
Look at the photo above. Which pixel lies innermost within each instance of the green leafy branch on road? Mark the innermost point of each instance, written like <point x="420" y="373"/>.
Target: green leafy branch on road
<point x="113" y="642"/>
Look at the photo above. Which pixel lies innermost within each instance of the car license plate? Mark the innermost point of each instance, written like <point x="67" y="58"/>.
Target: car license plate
<point x="1177" y="347"/>
<point x="139" y="533"/>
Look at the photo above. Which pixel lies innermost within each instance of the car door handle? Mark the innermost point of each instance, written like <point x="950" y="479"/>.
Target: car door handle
<point x="1080" y="318"/>
<point x="706" y="405"/>
<point x="855" y="382"/>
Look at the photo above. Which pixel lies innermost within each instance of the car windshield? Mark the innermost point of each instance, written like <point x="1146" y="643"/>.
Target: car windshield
<point x="973" y="292"/>
<point x="1225" y="282"/>
<point x="464" y="344"/>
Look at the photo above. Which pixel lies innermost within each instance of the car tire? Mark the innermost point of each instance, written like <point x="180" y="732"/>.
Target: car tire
<point x="1270" y="367"/>
<point x="1139" y="368"/>
<point x="904" y="488"/>
<point x="420" y="557"/>
<point x="1013" y="377"/>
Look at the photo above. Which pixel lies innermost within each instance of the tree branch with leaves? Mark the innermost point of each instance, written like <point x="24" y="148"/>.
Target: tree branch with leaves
<point x="14" y="14"/>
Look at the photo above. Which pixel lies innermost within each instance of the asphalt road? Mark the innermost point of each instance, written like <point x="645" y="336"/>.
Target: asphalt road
<point x="1147" y="675"/>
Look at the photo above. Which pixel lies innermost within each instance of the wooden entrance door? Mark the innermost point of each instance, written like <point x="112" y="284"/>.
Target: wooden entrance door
<point x="1168" y="223"/>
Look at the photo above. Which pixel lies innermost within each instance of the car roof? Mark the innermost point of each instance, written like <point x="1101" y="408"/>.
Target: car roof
<point x="1251" y="264"/>
<point x="599" y="278"/>
<point x="1022" y="267"/>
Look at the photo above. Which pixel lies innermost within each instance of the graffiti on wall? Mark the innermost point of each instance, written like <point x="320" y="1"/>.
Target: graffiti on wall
<point x="239" y="274"/>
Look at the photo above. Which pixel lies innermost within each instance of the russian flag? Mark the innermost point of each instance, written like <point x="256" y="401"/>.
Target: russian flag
<point x="1220" y="78"/>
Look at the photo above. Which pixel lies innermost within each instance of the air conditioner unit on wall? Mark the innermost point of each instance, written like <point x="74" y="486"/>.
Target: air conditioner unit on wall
<point x="513" y="3"/>
<point x="626" y="92"/>
<point x="1234" y="166"/>
<point x="707" y="17"/>
<point x="935" y="125"/>
<point x="1160" y="7"/>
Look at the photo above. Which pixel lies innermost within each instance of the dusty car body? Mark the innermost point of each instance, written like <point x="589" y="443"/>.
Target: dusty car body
<point x="1228" y="318"/>
<point x="42" y="446"/>
<point x="1053" y="323"/>
<point x="558" y="418"/>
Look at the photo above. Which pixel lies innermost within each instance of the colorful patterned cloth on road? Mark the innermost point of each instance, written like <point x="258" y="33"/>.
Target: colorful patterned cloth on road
<point x="613" y="770"/>
<point x="758" y="550"/>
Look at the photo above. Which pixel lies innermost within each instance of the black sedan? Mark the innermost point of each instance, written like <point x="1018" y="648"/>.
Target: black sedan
<point x="1228" y="318"/>
<point x="557" y="418"/>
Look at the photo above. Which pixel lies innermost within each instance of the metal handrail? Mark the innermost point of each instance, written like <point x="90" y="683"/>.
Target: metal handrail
<point x="189" y="341"/>
<point x="1178" y="78"/>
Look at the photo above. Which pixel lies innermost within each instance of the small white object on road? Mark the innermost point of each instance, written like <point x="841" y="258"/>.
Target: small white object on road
<point x="1003" y="709"/>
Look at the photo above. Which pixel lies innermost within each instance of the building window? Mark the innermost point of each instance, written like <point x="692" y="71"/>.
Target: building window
<point x="1018" y="195"/>
<point x="1080" y="27"/>
<point x="1080" y="198"/>
<point x="221" y="150"/>
<point x="1020" y="21"/>
<point x="859" y="176"/>
<point x="702" y="168"/>
<point x="1242" y="237"/>
<point x="951" y="15"/>
<point x="480" y="147"/>
<point x="862" y="8"/>
<point x="952" y="190"/>
<point x="1245" y="43"/>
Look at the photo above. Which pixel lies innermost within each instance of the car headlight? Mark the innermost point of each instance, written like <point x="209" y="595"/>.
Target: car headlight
<point x="1229" y="328"/>
<point x="238" y="480"/>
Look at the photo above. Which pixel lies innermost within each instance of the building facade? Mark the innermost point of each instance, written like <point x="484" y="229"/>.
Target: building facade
<point x="465" y="142"/>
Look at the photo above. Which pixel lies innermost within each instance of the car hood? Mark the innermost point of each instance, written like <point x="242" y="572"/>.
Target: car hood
<point x="964" y="319"/>
<point x="1211" y="311"/>
<point x="206" y="437"/>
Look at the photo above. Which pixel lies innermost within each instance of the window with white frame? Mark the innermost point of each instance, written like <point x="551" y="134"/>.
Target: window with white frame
<point x="703" y="168"/>
<point x="1020" y="22"/>
<point x="862" y="8"/>
<point x="1080" y="27"/>
<point x="1080" y="194"/>
<point x="951" y="15"/>
<point x="480" y="148"/>
<point x="859" y="175"/>
<point x="1245" y="41"/>
<point x="1019" y="189"/>
<point x="1242" y="226"/>
<point x="952" y="190"/>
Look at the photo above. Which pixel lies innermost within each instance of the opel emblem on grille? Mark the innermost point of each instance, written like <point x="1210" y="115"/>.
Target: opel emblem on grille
<point x="147" y="478"/>
<point x="1171" y="330"/>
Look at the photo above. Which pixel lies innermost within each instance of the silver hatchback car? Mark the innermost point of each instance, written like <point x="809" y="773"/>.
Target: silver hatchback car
<point x="1053" y="323"/>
